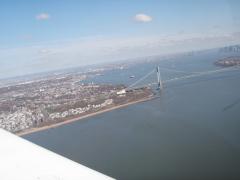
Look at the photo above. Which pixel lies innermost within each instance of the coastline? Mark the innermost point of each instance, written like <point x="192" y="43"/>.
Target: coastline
<point x="37" y="129"/>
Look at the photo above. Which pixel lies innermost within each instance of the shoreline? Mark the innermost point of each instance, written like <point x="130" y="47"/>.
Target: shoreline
<point x="37" y="129"/>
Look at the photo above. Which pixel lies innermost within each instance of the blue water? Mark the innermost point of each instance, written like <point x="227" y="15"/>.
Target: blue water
<point x="192" y="131"/>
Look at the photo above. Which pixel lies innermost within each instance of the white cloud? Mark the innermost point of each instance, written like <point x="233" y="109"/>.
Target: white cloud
<point x="44" y="51"/>
<point x="143" y="18"/>
<point x="43" y="16"/>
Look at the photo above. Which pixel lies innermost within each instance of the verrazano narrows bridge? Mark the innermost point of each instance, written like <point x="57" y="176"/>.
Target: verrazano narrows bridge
<point x="161" y="83"/>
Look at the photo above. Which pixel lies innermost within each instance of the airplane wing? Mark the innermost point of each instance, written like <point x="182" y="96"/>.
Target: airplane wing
<point x="21" y="159"/>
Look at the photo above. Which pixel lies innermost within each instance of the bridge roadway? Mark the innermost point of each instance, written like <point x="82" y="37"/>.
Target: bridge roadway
<point x="192" y="75"/>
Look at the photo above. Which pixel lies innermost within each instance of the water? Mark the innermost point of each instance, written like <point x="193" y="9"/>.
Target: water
<point x="191" y="132"/>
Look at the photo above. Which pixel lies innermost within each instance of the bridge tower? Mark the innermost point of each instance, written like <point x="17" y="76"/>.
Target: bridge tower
<point x="159" y="83"/>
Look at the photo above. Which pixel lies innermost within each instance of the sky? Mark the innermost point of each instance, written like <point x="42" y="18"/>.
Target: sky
<point x="44" y="35"/>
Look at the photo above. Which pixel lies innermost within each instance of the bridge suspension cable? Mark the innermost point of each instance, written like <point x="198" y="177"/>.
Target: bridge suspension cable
<point x="192" y="75"/>
<point x="175" y="70"/>
<point x="199" y="74"/>
<point x="141" y="79"/>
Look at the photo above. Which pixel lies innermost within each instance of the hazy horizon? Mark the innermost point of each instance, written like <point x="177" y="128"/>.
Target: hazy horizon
<point x="51" y="35"/>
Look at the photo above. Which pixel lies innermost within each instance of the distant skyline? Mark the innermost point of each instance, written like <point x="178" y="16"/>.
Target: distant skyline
<point x="44" y="35"/>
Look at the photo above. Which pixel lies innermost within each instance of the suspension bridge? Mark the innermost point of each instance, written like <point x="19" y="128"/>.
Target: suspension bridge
<point x="160" y="83"/>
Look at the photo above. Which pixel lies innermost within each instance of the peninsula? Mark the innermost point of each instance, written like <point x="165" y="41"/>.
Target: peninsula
<point x="36" y="105"/>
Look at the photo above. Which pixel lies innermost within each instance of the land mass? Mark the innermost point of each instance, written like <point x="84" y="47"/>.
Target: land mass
<point x="36" y="105"/>
<point x="229" y="61"/>
<point x="72" y="119"/>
